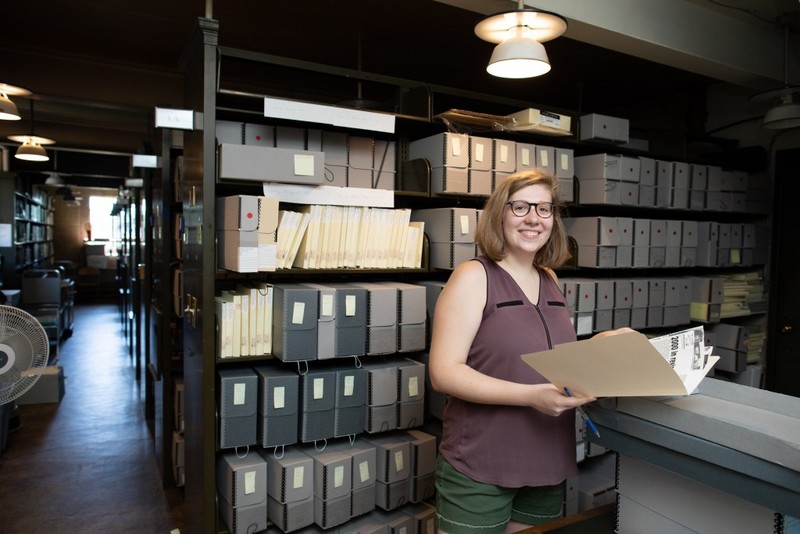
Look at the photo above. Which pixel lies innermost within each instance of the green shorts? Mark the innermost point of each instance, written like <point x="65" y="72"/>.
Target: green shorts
<point x="466" y="506"/>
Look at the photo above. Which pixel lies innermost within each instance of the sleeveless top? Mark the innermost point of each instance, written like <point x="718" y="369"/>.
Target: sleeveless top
<point x="512" y="446"/>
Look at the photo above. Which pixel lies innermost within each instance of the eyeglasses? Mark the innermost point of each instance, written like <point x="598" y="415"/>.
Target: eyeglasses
<point x="521" y="208"/>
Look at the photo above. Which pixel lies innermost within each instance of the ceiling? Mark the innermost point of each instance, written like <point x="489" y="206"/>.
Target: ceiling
<point x="97" y="69"/>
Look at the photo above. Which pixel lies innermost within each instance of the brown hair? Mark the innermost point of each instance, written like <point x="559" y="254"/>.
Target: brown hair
<point x="489" y="233"/>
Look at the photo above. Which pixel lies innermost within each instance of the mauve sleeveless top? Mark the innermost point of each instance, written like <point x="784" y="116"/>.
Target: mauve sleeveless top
<point x="512" y="446"/>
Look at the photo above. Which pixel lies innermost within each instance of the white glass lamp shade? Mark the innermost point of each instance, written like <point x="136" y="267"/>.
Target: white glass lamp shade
<point x="518" y="57"/>
<point x="30" y="150"/>
<point x="8" y="110"/>
<point x="783" y="116"/>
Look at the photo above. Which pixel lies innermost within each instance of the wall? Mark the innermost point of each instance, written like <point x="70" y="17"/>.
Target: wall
<point x="69" y="230"/>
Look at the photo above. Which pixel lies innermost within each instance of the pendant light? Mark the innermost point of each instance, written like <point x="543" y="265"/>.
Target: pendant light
<point x="31" y="148"/>
<point x="785" y="113"/>
<point x="8" y="110"/>
<point x="520" y="34"/>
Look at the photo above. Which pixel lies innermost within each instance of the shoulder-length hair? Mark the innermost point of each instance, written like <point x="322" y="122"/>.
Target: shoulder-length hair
<point x="489" y="232"/>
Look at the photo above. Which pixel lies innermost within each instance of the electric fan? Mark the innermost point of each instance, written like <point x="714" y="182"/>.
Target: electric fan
<point x="24" y="350"/>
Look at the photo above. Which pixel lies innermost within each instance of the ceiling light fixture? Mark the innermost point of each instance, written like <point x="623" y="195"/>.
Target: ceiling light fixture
<point x="520" y="34"/>
<point x="8" y="110"/>
<point x="31" y="148"/>
<point x="785" y="112"/>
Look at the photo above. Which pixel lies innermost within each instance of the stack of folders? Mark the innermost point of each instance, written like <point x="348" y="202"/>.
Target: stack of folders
<point x="242" y="491"/>
<point x="338" y="237"/>
<point x="244" y="320"/>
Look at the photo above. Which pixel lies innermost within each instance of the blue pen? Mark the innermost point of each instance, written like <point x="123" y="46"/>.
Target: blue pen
<point x="586" y="418"/>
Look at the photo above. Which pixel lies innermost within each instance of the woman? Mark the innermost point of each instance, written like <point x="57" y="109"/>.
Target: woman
<point x="508" y="440"/>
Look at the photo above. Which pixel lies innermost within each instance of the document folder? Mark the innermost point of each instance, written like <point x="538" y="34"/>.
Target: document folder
<point x="623" y="365"/>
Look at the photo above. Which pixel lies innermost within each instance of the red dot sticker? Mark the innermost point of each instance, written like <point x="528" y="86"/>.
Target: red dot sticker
<point x="249" y="214"/>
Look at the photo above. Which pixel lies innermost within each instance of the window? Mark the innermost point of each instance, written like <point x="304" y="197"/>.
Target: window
<point x="104" y="227"/>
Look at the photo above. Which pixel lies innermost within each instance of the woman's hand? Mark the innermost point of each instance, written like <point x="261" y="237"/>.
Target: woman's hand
<point x="550" y="400"/>
<point x="623" y="330"/>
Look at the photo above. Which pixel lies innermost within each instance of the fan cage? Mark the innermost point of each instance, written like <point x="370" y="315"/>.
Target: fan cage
<point x="24" y="352"/>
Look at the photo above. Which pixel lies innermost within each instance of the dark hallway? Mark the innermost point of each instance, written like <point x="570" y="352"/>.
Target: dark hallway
<point x="87" y="464"/>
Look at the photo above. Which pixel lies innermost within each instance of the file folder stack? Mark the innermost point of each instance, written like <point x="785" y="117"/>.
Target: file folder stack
<point x="318" y="392"/>
<point x="247" y="228"/>
<point x="326" y="320"/>
<point x="422" y="449"/>
<point x="350" y="401"/>
<point x="278" y="410"/>
<point x="423" y="517"/>
<point x="271" y="164"/>
<point x="333" y="470"/>
<point x="238" y="407"/>
<point x="395" y="520"/>
<point x="381" y="409"/>
<point x="381" y="318"/>
<point x="448" y="155"/>
<point x="410" y="316"/>
<point x="242" y="490"/>
<point x="290" y="491"/>
<point x="411" y="393"/>
<point x="598" y="239"/>
<point x="363" y="460"/>
<point x="393" y="453"/>
<point x="295" y="316"/>
<point x="480" y="166"/>
<point x="451" y="232"/>
<point x="350" y="320"/>
<point x="607" y="179"/>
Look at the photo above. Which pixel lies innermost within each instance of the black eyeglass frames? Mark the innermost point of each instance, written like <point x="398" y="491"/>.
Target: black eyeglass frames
<point x="521" y="208"/>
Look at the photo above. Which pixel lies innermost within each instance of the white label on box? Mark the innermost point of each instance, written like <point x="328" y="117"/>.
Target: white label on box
<point x="398" y="461"/>
<point x="303" y="165"/>
<point x="350" y="305"/>
<point x="319" y="388"/>
<point x="338" y="476"/>
<point x="363" y="471"/>
<point x="402" y="530"/>
<point x="327" y="306"/>
<point x="413" y="386"/>
<point x="349" y="381"/>
<point x="297" y="476"/>
<point x="478" y="152"/>
<point x="526" y="157"/>
<point x="279" y="397"/>
<point x="298" y="310"/>
<point x="464" y="224"/>
<point x="503" y="154"/>
<point x="564" y="162"/>
<point x="238" y="394"/>
<point x="455" y="146"/>
<point x="543" y="158"/>
<point x="249" y="482"/>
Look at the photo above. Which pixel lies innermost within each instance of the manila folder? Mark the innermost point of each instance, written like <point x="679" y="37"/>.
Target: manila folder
<point x="622" y="365"/>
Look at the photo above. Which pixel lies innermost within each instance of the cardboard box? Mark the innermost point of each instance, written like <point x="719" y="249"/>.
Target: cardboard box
<point x="47" y="389"/>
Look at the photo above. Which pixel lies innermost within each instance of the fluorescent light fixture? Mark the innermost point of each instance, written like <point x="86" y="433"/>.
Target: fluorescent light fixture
<point x="520" y="34"/>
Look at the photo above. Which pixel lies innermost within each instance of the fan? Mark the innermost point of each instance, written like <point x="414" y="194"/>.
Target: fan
<point x="24" y="351"/>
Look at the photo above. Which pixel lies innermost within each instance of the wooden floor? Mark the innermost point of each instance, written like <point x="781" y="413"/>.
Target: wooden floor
<point x="87" y="464"/>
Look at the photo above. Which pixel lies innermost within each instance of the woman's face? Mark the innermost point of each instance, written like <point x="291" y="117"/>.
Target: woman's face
<point x="530" y="232"/>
